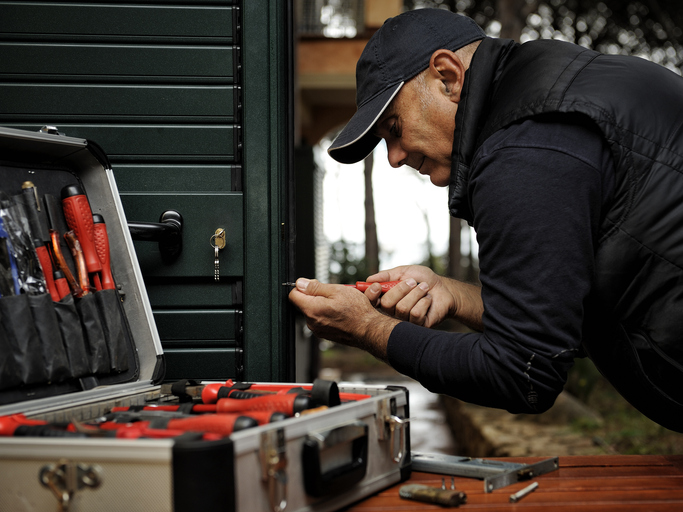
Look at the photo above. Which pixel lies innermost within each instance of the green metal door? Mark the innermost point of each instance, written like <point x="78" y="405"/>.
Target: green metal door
<point x="192" y="102"/>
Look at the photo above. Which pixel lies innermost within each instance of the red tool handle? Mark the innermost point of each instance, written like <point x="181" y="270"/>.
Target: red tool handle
<point x="386" y="285"/>
<point x="261" y="417"/>
<point x="213" y="392"/>
<point x="79" y="260"/>
<point x="102" y="247"/>
<point x="61" y="285"/>
<point x="224" y="424"/>
<point x="61" y="263"/>
<point x="46" y="265"/>
<point x="9" y="423"/>
<point x="136" y="432"/>
<point x="287" y="404"/>
<point x="79" y="218"/>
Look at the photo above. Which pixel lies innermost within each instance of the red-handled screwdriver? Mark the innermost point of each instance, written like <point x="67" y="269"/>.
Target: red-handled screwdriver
<point x="79" y="218"/>
<point x="386" y="285"/>
<point x="288" y="404"/>
<point x="102" y="247"/>
<point x="224" y="424"/>
<point x="61" y="285"/>
<point x="362" y="285"/>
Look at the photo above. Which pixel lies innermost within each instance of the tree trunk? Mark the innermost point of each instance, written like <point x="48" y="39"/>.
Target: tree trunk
<point x="454" y="255"/>
<point x="512" y="15"/>
<point x="371" y="242"/>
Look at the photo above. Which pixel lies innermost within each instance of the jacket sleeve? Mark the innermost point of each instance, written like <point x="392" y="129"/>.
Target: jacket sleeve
<point x="537" y="191"/>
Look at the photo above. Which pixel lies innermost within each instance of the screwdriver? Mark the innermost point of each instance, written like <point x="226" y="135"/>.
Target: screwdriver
<point x="363" y="285"/>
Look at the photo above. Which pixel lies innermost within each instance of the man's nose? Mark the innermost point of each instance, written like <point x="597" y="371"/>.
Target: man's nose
<point x="396" y="154"/>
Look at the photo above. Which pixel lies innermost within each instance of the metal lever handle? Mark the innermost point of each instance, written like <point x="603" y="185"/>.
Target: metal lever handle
<point x="168" y="232"/>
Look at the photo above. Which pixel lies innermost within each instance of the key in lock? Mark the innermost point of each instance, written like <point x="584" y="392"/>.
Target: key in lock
<point x="218" y="242"/>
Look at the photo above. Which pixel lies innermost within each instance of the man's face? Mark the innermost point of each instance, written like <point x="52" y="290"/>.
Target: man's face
<point x="418" y="129"/>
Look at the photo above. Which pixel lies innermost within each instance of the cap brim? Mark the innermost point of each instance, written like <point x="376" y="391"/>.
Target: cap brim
<point x="356" y="140"/>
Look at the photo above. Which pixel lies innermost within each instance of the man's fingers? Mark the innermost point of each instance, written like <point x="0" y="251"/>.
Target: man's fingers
<point x="373" y="294"/>
<point x="404" y="308"/>
<point x="394" y="274"/>
<point x="311" y="287"/>
<point x="402" y="298"/>
<point x="419" y="312"/>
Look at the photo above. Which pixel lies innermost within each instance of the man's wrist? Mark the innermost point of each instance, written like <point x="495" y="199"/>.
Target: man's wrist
<point x="374" y="334"/>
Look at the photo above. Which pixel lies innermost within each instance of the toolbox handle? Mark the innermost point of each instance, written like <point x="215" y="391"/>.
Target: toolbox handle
<point x="322" y="448"/>
<point x="168" y="232"/>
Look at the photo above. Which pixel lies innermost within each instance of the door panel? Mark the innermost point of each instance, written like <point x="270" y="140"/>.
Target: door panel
<point x="202" y="213"/>
<point x="191" y="100"/>
<point x="100" y="20"/>
<point x="126" y="142"/>
<point x="121" y="102"/>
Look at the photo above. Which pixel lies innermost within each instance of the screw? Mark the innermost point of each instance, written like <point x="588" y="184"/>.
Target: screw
<point x="514" y="498"/>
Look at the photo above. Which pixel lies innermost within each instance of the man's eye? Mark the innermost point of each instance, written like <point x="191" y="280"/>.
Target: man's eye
<point x="393" y="130"/>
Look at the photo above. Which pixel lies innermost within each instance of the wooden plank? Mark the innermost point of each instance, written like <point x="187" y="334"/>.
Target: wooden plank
<point x="592" y="483"/>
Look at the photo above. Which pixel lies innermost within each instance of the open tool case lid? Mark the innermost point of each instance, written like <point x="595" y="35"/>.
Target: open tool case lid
<point x="51" y="162"/>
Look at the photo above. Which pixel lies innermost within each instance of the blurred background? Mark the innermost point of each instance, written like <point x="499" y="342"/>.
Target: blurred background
<point x="353" y="220"/>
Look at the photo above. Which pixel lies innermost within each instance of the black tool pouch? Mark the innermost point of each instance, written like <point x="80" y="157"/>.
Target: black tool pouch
<point x="51" y="343"/>
<point x="93" y="332"/>
<point x="72" y="335"/>
<point x="23" y="338"/>
<point x="113" y="328"/>
<point x="10" y="369"/>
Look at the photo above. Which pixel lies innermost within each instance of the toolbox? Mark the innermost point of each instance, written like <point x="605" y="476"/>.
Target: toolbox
<point x="81" y="351"/>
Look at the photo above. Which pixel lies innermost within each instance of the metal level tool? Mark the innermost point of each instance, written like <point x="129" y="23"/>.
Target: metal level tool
<point x="495" y="473"/>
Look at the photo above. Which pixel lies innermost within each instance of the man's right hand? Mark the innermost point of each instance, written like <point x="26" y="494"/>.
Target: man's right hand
<point x="425" y="298"/>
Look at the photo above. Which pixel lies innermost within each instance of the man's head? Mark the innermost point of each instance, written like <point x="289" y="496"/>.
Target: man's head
<point x="415" y="42"/>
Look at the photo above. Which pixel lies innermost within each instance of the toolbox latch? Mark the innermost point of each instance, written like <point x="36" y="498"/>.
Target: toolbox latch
<point x="273" y="454"/>
<point x="65" y="478"/>
<point x="388" y="424"/>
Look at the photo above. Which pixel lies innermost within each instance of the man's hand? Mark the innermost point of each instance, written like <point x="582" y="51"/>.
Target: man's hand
<point x="425" y="298"/>
<point x="343" y="314"/>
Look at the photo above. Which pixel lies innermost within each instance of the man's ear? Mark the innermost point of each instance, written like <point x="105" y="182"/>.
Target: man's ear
<point x="449" y="69"/>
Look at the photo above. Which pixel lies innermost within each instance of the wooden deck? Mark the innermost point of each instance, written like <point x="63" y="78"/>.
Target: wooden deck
<point x="614" y="483"/>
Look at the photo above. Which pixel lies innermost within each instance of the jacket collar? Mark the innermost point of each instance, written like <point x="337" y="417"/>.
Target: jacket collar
<point x="479" y="85"/>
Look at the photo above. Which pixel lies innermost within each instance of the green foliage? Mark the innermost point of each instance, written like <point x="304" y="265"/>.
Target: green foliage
<point x="647" y="28"/>
<point x="347" y="262"/>
<point x="623" y="430"/>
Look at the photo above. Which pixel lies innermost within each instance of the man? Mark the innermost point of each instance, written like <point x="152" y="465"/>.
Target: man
<point x="568" y="164"/>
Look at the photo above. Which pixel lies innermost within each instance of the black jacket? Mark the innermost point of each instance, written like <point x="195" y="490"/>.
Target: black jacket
<point x="633" y="324"/>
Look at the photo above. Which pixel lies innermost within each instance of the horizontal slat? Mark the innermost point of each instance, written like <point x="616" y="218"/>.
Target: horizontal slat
<point x="202" y="213"/>
<point x="124" y="102"/>
<point x="191" y="325"/>
<point x="167" y="292"/>
<point x="201" y="364"/>
<point x="125" y="142"/>
<point x="136" y="178"/>
<point x="129" y="62"/>
<point x="116" y="19"/>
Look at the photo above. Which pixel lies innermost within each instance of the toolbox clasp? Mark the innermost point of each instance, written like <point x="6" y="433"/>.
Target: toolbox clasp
<point x="388" y="422"/>
<point x="273" y="454"/>
<point x="65" y="478"/>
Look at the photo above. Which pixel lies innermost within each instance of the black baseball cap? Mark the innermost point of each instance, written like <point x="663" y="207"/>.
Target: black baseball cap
<point x="397" y="52"/>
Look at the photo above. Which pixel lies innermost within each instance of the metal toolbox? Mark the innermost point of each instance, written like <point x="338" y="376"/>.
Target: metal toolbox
<point x="318" y="460"/>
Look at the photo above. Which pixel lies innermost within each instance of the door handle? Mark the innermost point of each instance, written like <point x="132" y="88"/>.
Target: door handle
<point x="168" y="232"/>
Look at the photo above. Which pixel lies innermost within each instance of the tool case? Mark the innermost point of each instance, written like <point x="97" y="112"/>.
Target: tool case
<point x="70" y="356"/>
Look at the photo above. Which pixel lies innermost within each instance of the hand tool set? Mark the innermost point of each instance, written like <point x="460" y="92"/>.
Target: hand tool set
<point x="86" y="419"/>
<point x="58" y="302"/>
